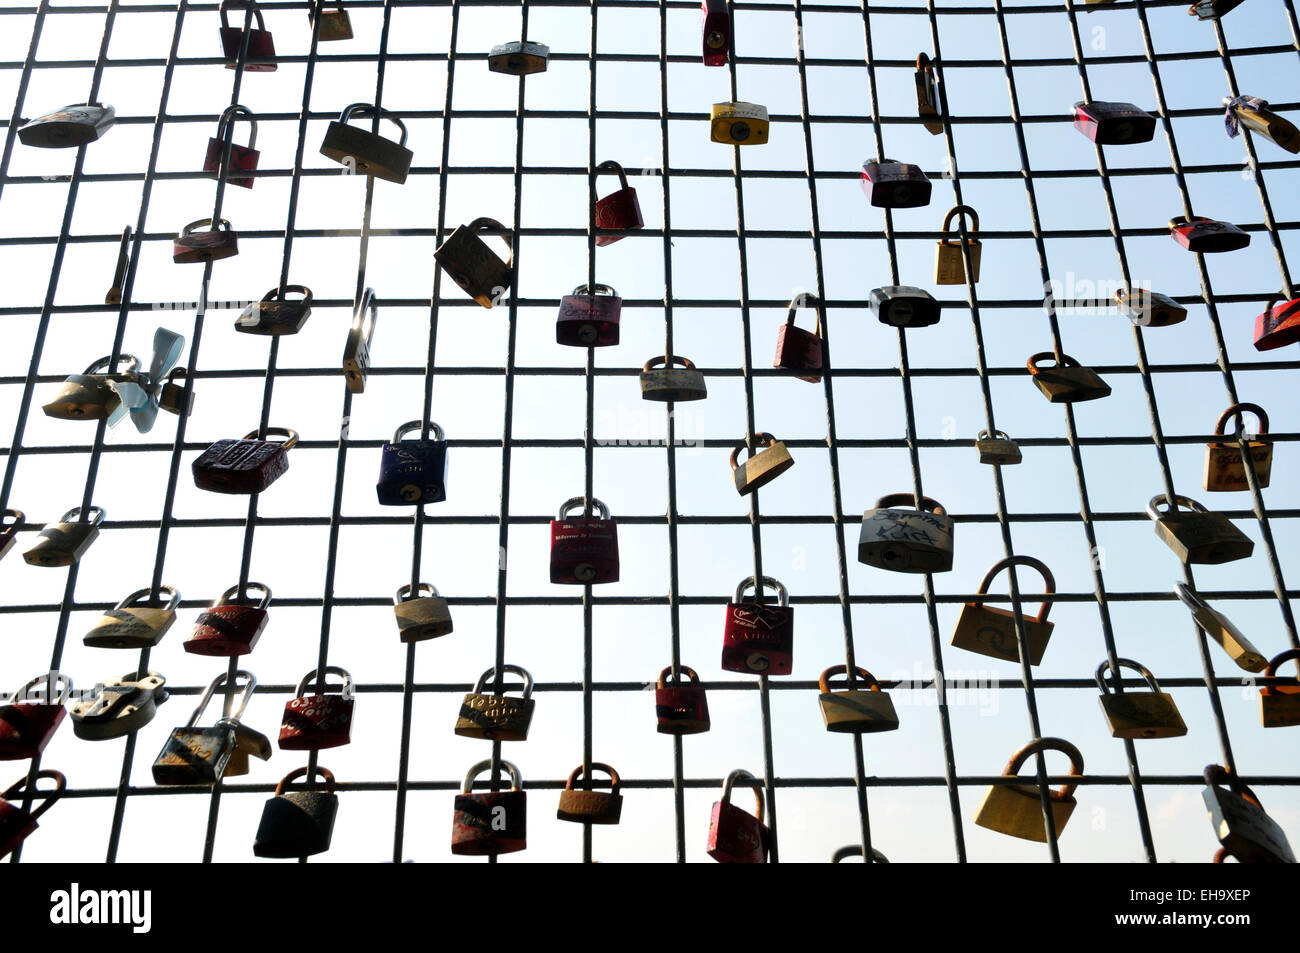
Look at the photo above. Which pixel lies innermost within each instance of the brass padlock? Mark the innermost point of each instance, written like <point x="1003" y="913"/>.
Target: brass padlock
<point x="519" y="58"/>
<point x="672" y="383"/>
<point x="1131" y="714"/>
<point x="1199" y="536"/>
<point x="1149" y="309"/>
<point x="1253" y="113"/>
<point x="1225" y="467"/>
<point x="176" y="398"/>
<point x="356" y="352"/>
<point x="193" y="755"/>
<point x="70" y="127"/>
<point x="738" y="124"/>
<point x="1239" y="821"/>
<point x="949" y="263"/>
<point x="363" y="152"/>
<point x="248" y="743"/>
<point x="277" y="314"/>
<point x="999" y="449"/>
<point x="212" y="244"/>
<point x="471" y="264"/>
<point x="65" y="542"/>
<point x="421" y="617"/>
<point x="917" y="539"/>
<point x="587" y="806"/>
<point x="1219" y="627"/>
<point x="927" y="96"/>
<point x="763" y="467"/>
<point x="1017" y="810"/>
<point x="1068" y="382"/>
<point x="1279" y="705"/>
<point x="88" y="396"/>
<point x="992" y="632"/>
<point x="118" y="707"/>
<point x="497" y="717"/>
<point x="132" y="625"/>
<point x="334" y="24"/>
<point x="858" y="712"/>
<point x="9" y="533"/>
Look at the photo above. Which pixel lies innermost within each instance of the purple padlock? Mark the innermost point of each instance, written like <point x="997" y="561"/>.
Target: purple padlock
<point x="413" y="471"/>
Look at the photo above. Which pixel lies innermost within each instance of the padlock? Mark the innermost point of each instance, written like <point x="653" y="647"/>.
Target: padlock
<point x="297" y="823"/>
<point x="737" y="837"/>
<point x="497" y="717"/>
<point x="70" y="127"/>
<point x="421" y="617"/>
<point x="27" y="724"/>
<point x="904" y="306"/>
<point x="356" y="351"/>
<point x="584" y="549"/>
<point x="193" y="755"/>
<point x="260" y="44"/>
<point x="797" y="349"/>
<point x="618" y="210"/>
<point x="855" y="850"/>
<point x="276" y="314"/>
<point x="364" y="152"/>
<point x="519" y="58"/>
<point x="1114" y="124"/>
<point x="248" y="742"/>
<point x="470" y="263"/>
<point x="672" y="383"/>
<point x="763" y="467"/>
<point x="491" y="823"/>
<point x="589" y="317"/>
<point x="1240" y="824"/>
<point x="757" y="638"/>
<point x="229" y="629"/>
<point x="1278" y="324"/>
<point x="17" y="823"/>
<point x="9" y="533"/>
<point x="1219" y="627"/>
<point x="918" y="539"/>
<point x="681" y="707"/>
<point x="999" y="449"/>
<point x="1017" y="809"/>
<point x="992" y="632"/>
<point x="334" y="24"/>
<point x="857" y="712"/>
<point x="1132" y="714"/>
<point x="114" y="295"/>
<point x="1225" y="468"/>
<point x="88" y="396"/>
<point x="891" y="184"/>
<point x="1149" y="309"/>
<point x="1212" y="9"/>
<point x="949" y="263"/>
<point x="927" y="96"/>
<point x="65" y="542"/>
<point x="211" y="244"/>
<point x="413" y="472"/>
<point x="716" y="29"/>
<point x="1198" y="536"/>
<point x="1279" y="705"/>
<point x="1207" y="235"/>
<point x="132" y="624"/>
<point x="319" y="720"/>
<point x="738" y="124"/>
<point x="591" y="807"/>
<point x="242" y="158"/>
<point x="1068" y="382"/>
<point x="247" y="465"/>
<point x="118" y="707"/>
<point x="1253" y="113"/>
<point x="176" y="398"/>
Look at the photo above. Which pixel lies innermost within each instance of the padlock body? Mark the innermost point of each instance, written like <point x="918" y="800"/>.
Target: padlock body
<point x="673" y="383"/>
<point x="1225" y="470"/>
<point x="128" y="706"/>
<point x="134" y="627"/>
<point x="903" y="306"/>
<point x="1279" y="707"/>
<point x="681" y="709"/>
<point x="895" y="185"/>
<point x="1247" y="832"/>
<point x="248" y="743"/>
<point x="421" y="618"/>
<point x="240" y="466"/>
<point x="858" y="712"/>
<point x="619" y="209"/>
<point x="1114" y="124"/>
<point x="906" y="540"/>
<point x="758" y="639"/>
<point x="313" y="722"/>
<point x="68" y="128"/>
<point x="950" y="266"/>
<point x="587" y="320"/>
<point x="25" y="729"/>
<point x="799" y="350"/>
<point x="1206" y="538"/>
<point x="519" y="59"/>
<point x="335" y="25"/>
<point x="735" y="836"/>
<point x="472" y="265"/>
<point x="762" y="468"/>
<point x="1282" y="132"/>
<point x="494" y="717"/>
<point x="195" y="755"/>
<point x="490" y="823"/>
<point x="15" y="825"/>
<point x="260" y="46"/>
<point x="366" y="153"/>
<point x="1142" y="715"/>
<point x="1221" y="629"/>
<point x="999" y="451"/>
<point x="297" y="824"/>
<point x="717" y="31"/>
<point x="1070" y="385"/>
<point x="584" y="551"/>
<point x="208" y="245"/>
<point x="274" y="317"/>
<point x="1150" y="308"/>
<point x="227" y="630"/>
<point x="174" y="399"/>
<point x="1278" y="326"/>
<point x="61" y="544"/>
<point x="85" y="397"/>
<point x="412" y="472"/>
<point x="1208" y="236"/>
<point x="987" y="630"/>
<point x="738" y="124"/>
<point x="242" y="159"/>
<point x="590" y="807"/>
<point x="1017" y="810"/>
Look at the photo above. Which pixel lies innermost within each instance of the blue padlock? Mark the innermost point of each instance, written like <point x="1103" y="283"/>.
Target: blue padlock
<point x="413" y="471"/>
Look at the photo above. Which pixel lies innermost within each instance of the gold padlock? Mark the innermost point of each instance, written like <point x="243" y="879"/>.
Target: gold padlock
<point x="762" y="468"/>
<point x="1199" y="537"/>
<point x="738" y="124"/>
<point x="421" y="617"/>
<point x="1130" y="714"/>
<point x="1253" y="113"/>
<point x="1068" y="382"/>
<point x="584" y="806"/>
<point x="498" y="717"/>
<point x="334" y="24"/>
<point x="999" y="449"/>
<point x="65" y="542"/>
<point x="1149" y="309"/>
<point x="949" y="264"/>
<point x="131" y="625"/>
<point x="1279" y="705"/>
<point x="856" y="711"/>
<point x="992" y="632"/>
<point x="927" y="96"/>
<point x="1219" y="627"/>
<point x="471" y="264"/>
<point x="88" y="396"/>
<point x="1017" y="809"/>
<point x="1225" y="468"/>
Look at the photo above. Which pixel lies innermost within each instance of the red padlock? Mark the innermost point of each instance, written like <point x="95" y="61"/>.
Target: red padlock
<point x="230" y="629"/>
<point x="1114" y="123"/>
<point x="584" y="549"/>
<point x="16" y="823"/>
<point x="736" y="837"/>
<point x="681" y="706"/>
<point x="494" y="822"/>
<point x="589" y="317"/>
<point x="313" y="722"/>
<point x="1206" y="235"/>
<point x="242" y="158"/>
<point x="717" y="31"/>
<point x="247" y="465"/>
<point x="758" y="638"/>
<point x="1279" y="705"/>
<point x="27" y="724"/>
<point x="260" y="44"/>
<point x="1279" y="325"/>
<point x="618" y="209"/>
<point x="797" y="349"/>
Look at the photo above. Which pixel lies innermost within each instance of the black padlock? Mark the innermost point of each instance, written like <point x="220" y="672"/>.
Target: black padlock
<point x="364" y="152"/>
<point x="905" y="307"/>
<point x="70" y="127"/>
<point x="297" y="823"/>
<point x="277" y="314"/>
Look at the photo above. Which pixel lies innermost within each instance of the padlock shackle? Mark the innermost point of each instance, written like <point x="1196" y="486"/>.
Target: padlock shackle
<point x="96" y="515"/>
<point x="1217" y="774"/>
<point x="596" y="289"/>
<point x="225" y="4"/>
<point x="483" y="223"/>
<point x="366" y="314"/>
<point x="962" y="210"/>
<point x="515" y="669"/>
<point x="368" y="109"/>
<point x="985" y="434"/>
<point x="855" y="850"/>
<point x="107" y="363"/>
<point x="1186" y="501"/>
<point x="681" y="670"/>
<point x="17" y="516"/>
<point x="12" y="792"/>
<point x="1234" y="413"/>
<point x="667" y="360"/>
<point x="1277" y="661"/>
<point x="757" y="785"/>
<point x="611" y="166"/>
<point x="824" y="682"/>
<point x="1048" y="744"/>
<point x="228" y="119"/>
<point x="1048" y="579"/>
<point x="142" y="595"/>
<point x="249" y="688"/>
<point x="760" y="440"/>
<point x="586" y="510"/>
<point x="768" y="582"/>
<point x="1127" y="663"/>
<point x="59" y="679"/>
<point x="1190" y="597"/>
<point x="579" y="771"/>
<point x="1060" y="360"/>
<point x="277" y="294"/>
<point x="486" y="765"/>
<point x="222" y="225"/>
<point x="234" y="591"/>
<point x="908" y="499"/>
<point x="413" y="425"/>
<point x="342" y="673"/>
<point x="302" y="772"/>
<point x="808" y="301"/>
<point x="290" y="436"/>
<point x="406" y="592"/>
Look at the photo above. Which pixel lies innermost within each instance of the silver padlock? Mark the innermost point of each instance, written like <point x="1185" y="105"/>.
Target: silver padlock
<point x="356" y="353"/>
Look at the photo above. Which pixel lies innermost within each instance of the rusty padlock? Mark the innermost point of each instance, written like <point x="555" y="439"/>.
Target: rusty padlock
<point x="247" y="465"/>
<point x="1225" y="467"/>
<point x="1279" y="705"/>
<point x="242" y="158"/>
<point x="1133" y="714"/>
<point x="470" y="263"/>
<point x="321" y="719"/>
<point x="681" y="707"/>
<point x="735" y="836"/>
<point x="334" y="24"/>
<point x="1068" y="382"/>
<point x="229" y="629"/>
<point x="1017" y="809"/>
<point x="672" y="383"/>
<point x="992" y="632"/>
<point x="211" y="244"/>
<point x="857" y="712"/>
<point x="193" y="755"/>
<point x="797" y="349"/>
<point x="620" y="209"/>
<point x="591" y="807"/>
<point x="27" y="723"/>
<point x="763" y="467"/>
<point x="584" y="549"/>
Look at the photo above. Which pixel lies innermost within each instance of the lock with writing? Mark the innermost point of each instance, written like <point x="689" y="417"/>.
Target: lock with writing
<point x="905" y="306"/>
<point x="1017" y="809"/>
<point x="738" y="124"/>
<point x="242" y="158"/>
<point x="32" y="716"/>
<point x="494" y="822"/>
<point x="1149" y="308"/>
<point x="927" y="96"/>
<point x="65" y="542"/>
<point x="1225" y="467"/>
<point x="1239" y="821"/>
<point x="1212" y="9"/>
<point x="421" y="617"/>
<point x="88" y="395"/>
<point x="681" y="706"/>
<point x="277" y="313"/>
<point x="175" y="396"/>
<point x="519" y="58"/>
<point x="1114" y="124"/>
<point x="758" y="638"/>
<point x="413" y="472"/>
<point x="715" y="25"/>
<point x="322" y="719"/>
<point x="1197" y="535"/>
<point x="1278" y="324"/>
<point x="949" y="262"/>
<point x="891" y="184"/>
<point x="298" y="823"/>
<point x="69" y="127"/>
<point x="10" y="522"/>
<point x="335" y="24"/>
<point x="1279" y="705"/>
<point x="672" y="383"/>
<point x="797" y="349"/>
<point x="1067" y="382"/>
<point x="858" y="712"/>
<point x="619" y="210"/>
<point x="133" y="623"/>
<point x="989" y="631"/>
<point x="356" y="351"/>
<point x="229" y="629"/>
<point x="211" y="244"/>
<point x="363" y="152"/>
<point x="998" y="449"/>
<point x="193" y="755"/>
<point x="763" y="467"/>
<point x="917" y="539"/>
<point x="1220" y="629"/>
<point x="1253" y="113"/>
<point x="261" y="46"/>
<point x="1206" y="235"/>
<point x="735" y="836"/>
<point x="497" y="717"/>
<point x="16" y="823"/>
<point x="584" y="549"/>
<point x="1131" y="714"/>
<point x="855" y="850"/>
<point x="247" y="465"/>
<point x="589" y="317"/>
<point x="585" y="806"/>
<point x="118" y="707"/>
<point x="472" y="265"/>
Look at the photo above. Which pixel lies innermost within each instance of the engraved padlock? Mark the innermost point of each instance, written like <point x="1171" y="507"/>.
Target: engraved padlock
<point x="854" y="711"/>
<point x="118" y="707"/>
<point x="589" y="317"/>
<point x="758" y="638"/>
<point x="297" y="823"/>
<point x="1206" y="235"/>
<point x="16" y="823"/>
<point x="1114" y="124"/>
<point x="242" y="158"/>
<point x="1149" y="309"/>
<point x="356" y="351"/>
<point x="1253" y="113"/>
<point x="927" y="96"/>
<point x="69" y="127"/>
<point x="891" y="184"/>
<point x="32" y="716"/>
<point x="949" y="263"/>
<point x="738" y="124"/>
<point x="193" y="755"/>
<point x="999" y="449"/>
<point x="584" y="806"/>
<point x="1278" y="324"/>
<point x="797" y="349"/>
<point x="472" y="265"/>
<point x="1239" y="821"/>
<point x="363" y="152"/>
<point x="210" y="244"/>
<point x="1131" y="714"/>
<point x="277" y="313"/>
<point x="716" y="29"/>
<point x="322" y="719"/>
<point x="763" y="467"/>
<point x="1220" y="629"/>
<point x="1279" y="705"/>
<point x="620" y="209"/>
<point x="65" y="542"/>
<point x="672" y="383"/>
<point x="519" y="58"/>
<point x="990" y="631"/>
<point x="247" y="465"/>
<point x="584" y="549"/>
<point x="227" y="628"/>
<point x="133" y="623"/>
<point x="496" y="717"/>
<point x="88" y="396"/>
<point x="10" y="522"/>
<point x="1067" y="382"/>
<point x="917" y="539"/>
<point x="260" y="44"/>
<point x="335" y="24"/>
<point x="494" y="822"/>
<point x="413" y="472"/>
<point x="1225" y="467"/>
<point x="1198" y="536"/>
<point x="421" y="617"/>
<point x="1017" y="809"/>
<point x="735" y="836"/>
<point x="681" y="706"/>
<point x="905" y="306"/>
